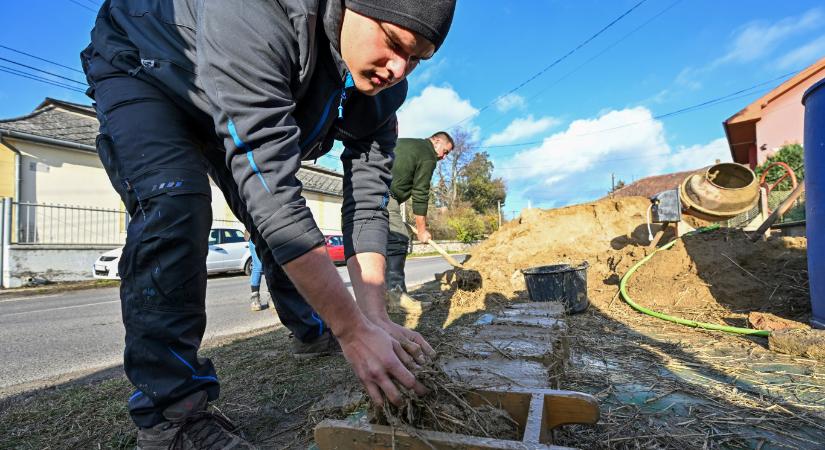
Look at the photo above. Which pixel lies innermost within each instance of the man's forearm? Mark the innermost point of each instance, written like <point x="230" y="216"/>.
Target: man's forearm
<point x="366" y="272"/>
<point x="420" y="223"/>
<point x="319" y="283"/>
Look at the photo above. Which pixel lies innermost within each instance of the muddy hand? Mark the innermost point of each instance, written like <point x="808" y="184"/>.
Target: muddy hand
<point x="373" y="354"/>
<point x="416" y="349"/>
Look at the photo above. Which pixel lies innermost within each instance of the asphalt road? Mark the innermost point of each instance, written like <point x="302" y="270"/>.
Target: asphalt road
<point x="51" y="338"/>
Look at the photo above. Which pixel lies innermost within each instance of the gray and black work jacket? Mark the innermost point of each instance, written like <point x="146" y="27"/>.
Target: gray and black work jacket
<point x="270" y="75"/>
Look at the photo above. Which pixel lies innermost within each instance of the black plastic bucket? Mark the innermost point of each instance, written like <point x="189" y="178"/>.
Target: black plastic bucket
<point x="559" y="283"/>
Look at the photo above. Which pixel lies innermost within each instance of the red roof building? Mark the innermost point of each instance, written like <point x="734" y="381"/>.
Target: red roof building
<point x="772" y="121"/>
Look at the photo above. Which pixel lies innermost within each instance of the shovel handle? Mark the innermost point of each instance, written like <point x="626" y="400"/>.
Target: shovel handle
<point x="440" y="250"/>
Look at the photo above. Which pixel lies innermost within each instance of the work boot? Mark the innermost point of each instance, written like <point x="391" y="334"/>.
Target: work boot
<point x="191" y="427"/>
<point x="257" y="304"/>
<point x="324" y="345"/>
<point x="395" y="272"/>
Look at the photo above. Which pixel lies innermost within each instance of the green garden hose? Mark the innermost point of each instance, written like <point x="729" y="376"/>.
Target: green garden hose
<point x="679" y="320"/>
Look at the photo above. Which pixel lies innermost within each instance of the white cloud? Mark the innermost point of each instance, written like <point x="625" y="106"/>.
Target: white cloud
<point x="697" y="156"/>
<point x="575" y="165"/>
<point x="586" y="143"/>
<point x="805" y="55"/>
<point x="758" y="39"/>
<point x="509" y="102"/>
<point x="522" y="128"/>
<point x="435" y="109"/>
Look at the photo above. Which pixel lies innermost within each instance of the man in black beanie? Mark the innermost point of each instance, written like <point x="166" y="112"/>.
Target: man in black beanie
<point x="242" y="91"/>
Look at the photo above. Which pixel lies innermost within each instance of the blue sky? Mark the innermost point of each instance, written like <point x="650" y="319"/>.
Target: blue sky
<point x="589" y="116"/>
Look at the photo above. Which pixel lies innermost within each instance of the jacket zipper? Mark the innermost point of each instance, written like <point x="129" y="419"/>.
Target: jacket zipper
<point x="348" y="83"/>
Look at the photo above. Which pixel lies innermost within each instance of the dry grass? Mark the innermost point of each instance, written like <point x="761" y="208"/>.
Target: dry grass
<point x="659" y="386"/>
<point x="445" y="408"/>
<point x="263" y="390"/>
<point x="666" y="386"/>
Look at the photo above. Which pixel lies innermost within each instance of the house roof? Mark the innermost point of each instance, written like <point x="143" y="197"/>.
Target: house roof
<point x="740" y="128"/>
<point x="75" y="125"/>
<point x="59" y="120"/>
<point x="650" y="186"/>
<point x="320" y="179"/>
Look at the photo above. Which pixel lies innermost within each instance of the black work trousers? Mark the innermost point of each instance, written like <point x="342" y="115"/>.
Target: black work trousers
<point x="158" y="152"/>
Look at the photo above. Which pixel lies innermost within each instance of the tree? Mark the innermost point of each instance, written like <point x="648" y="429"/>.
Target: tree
<point x="618" y="185"/>
<point x="792" y="155"/>
<point x="451" y="168"/>
<point x="477" y="186"/>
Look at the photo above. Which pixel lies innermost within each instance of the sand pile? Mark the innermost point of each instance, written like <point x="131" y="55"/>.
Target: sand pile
<point x="722" y="271"/>
<point x="602" y="233"/>
<point x="719" y="271"/>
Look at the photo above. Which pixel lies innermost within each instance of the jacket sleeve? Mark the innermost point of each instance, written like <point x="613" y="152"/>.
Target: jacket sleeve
<point x="421" y="187"/>
<point x="246" y="58"/>
<point x="367" y="176"/>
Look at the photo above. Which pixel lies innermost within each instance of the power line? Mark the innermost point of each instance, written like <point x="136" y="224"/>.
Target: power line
<point x="41" y="59"/>
<point x="553" y="64"/>
<point x="42" y="71"/>
<point x="93" y="3"/>
<point x="627" y="158"/>
<point x="16" y="72"/>
<point x="83" y="6"/>
<point x="727" y="97"/>
<point x="597" y="55"/>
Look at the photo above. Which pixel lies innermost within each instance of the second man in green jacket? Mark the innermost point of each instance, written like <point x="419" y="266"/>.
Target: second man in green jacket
<point x="412" y="172"/>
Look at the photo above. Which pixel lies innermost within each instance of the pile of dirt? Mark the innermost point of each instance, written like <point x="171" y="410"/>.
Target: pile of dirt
<point x="711" y="274"/>
<point x="573" y="234"/>
<point x="719" y="271"/>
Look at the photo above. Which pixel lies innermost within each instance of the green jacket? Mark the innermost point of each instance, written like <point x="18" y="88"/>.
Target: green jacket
<point x="412" y="171"/>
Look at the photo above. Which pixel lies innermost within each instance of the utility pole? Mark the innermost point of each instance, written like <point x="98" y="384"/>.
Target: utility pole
<point x="612" y="184"/>
<point x="499" y="214"/>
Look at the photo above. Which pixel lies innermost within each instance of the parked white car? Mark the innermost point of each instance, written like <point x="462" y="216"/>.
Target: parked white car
<point x="228" y="252"/>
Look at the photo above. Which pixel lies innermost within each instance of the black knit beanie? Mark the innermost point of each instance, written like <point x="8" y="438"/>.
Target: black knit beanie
<point x="429" y="18"/>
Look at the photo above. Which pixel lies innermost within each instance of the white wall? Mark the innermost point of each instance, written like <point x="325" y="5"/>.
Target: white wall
<point x="60" y="176"/>
<point x="52" y="262"/>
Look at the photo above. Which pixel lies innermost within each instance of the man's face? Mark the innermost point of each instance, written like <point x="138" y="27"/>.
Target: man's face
<point x="380" y="54"/>
<point x="442" y="148"/>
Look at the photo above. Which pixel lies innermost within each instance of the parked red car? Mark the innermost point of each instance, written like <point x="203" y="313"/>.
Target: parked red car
<point x="335" y="248"/>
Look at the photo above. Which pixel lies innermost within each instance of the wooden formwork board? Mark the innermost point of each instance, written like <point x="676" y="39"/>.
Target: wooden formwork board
<point x="537" y="411"/>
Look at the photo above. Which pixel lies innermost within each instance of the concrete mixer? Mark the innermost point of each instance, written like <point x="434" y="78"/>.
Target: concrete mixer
<point x="720" y="192"/>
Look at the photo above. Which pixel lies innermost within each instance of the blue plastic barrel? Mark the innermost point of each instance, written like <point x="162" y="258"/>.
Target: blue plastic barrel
<point x="814" y="101"/>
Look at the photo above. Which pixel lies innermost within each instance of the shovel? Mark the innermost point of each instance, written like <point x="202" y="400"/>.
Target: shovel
<point x="440" y="250"/>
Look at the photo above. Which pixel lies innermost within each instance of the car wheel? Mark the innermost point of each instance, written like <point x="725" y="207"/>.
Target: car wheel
<point x="247" y="268"/>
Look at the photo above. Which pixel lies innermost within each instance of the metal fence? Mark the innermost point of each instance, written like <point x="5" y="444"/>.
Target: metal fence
<point x="41" y="223"/>
<point x="38" y="223"/>
<point x="795" y="214"/>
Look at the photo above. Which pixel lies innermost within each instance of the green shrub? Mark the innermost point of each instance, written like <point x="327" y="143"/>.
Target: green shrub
<point x="467" y="225"/>
<point x="793" y="156"/>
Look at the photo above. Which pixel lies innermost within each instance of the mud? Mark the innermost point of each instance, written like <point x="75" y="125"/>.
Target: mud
<point x="805" y="343"/>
